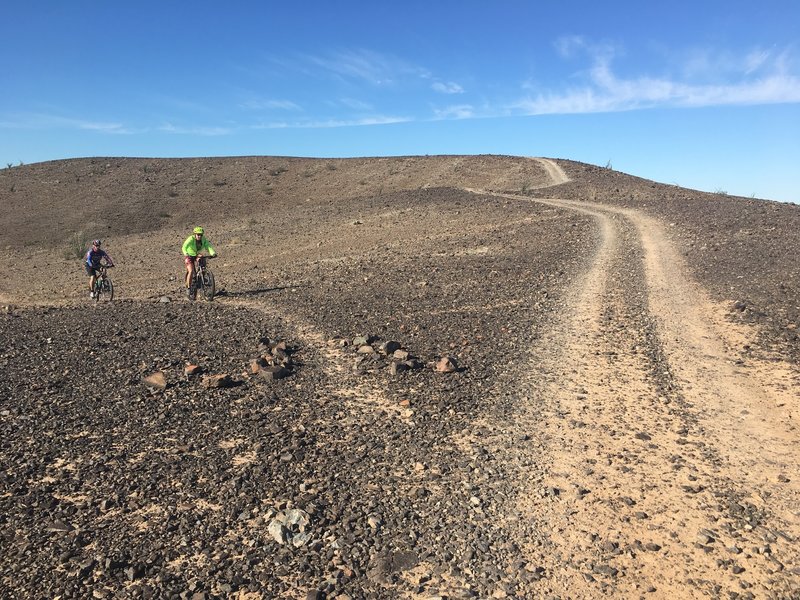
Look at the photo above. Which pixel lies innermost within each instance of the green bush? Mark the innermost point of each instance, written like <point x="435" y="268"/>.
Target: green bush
<point x="77" y="244"/>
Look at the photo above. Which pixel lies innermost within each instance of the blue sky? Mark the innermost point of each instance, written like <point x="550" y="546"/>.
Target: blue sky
<point x="704" y="94"/>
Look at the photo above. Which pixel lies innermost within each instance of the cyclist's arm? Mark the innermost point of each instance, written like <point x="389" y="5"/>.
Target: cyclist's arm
<point x="207" y="247"/>
<point x="109" y="261"/>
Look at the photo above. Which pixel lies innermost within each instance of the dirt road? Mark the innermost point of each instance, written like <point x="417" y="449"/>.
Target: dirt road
<point x="668" y="459"/>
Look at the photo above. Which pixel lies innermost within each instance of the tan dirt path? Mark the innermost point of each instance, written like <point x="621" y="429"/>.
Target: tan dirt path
<point x="671" y="464"/>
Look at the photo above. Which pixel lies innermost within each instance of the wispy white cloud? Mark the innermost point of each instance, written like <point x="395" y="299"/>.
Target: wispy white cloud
<point x="178" y="103"/>
<point x="194" y="130"/>
<point x="754" y="60"/>
<point x="256" y="104"/>
<point x="449" y="87"/>
<point x="712" y="64"/>
<point x="332" y="123"/>
<point x="755" y="77"/>
<point x="369" y="66"/>
<point x="460" y="111"/>
<point x="47" y="121"/>
<point x="567" y="45"/>
<point x="354" y="104"/>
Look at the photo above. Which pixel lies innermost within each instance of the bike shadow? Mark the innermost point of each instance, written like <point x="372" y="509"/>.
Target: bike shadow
<point x="255" y="291"/>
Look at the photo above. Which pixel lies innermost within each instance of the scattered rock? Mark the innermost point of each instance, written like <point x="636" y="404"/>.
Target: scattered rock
<point x="257" y="364"/>
<point x="397" y="367"/>
<point x="273" y="373"/>
<point x="218" y="381"/>
<point x="362" y="340"/>
<point x="446" y="364"/>
<point x="191" y="371"/>
<point x="156" y="380"/>
<point x="290" y="527"/>
<point x="387" y="348"/>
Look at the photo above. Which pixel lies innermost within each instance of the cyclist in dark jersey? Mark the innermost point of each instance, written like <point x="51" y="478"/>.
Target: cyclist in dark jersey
<point x="94" y="257"/>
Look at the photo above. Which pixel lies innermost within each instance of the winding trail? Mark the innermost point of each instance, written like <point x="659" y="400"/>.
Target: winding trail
<point x="669" y="468"/>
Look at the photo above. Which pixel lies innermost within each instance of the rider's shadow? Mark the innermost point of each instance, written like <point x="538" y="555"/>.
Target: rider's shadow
<point x="255" y="291"/>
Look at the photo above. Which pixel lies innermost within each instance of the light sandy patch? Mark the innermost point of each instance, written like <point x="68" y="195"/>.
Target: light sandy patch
<point x="372" y="398"/>
<point x="200" y="504"/>
<point x="231" y="443"/>
<point x="243" y="459"/>
<point x="141" y="518"/>
<point x="64" y="465"/>
<point x="72" y="498"/>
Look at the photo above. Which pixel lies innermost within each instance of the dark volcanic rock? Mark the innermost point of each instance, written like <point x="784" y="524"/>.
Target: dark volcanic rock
<point x="178" y="489"/>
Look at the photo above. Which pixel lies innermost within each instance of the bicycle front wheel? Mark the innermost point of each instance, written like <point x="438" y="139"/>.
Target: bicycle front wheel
<point x="209" y="286"/>
<point x="106" y="292"/>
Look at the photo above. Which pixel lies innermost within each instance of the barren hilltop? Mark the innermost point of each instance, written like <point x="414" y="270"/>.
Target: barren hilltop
<point x="423" y="377"/>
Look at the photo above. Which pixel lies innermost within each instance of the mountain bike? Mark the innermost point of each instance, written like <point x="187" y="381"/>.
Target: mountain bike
<point x="203" y="279"/>
<point x="103" y="288"/>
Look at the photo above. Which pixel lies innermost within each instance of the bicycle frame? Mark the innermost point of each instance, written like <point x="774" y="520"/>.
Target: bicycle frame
<point x="102" y="283"/>
<point x="202" y="279"/>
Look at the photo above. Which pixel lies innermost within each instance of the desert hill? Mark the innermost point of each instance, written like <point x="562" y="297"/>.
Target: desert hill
<point x="615" y="415"/>
<point x="742" y="248"/>
<point x="121" y="196"/>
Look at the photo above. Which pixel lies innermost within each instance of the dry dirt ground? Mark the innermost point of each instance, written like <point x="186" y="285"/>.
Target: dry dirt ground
<point x="622" y="422"/>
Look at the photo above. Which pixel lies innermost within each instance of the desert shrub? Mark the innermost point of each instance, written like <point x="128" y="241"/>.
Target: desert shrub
<point x="331" y="167"/>
<point x="77" y="244"/>
<point x="278" y="171"/>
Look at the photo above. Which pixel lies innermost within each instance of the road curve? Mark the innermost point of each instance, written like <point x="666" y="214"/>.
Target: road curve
<point x="666" y="460"/>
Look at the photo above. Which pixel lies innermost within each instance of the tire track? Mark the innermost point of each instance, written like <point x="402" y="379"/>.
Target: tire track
<point x="665" y="465"/>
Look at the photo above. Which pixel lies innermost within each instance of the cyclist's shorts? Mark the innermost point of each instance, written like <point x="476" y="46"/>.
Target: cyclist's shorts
<point x="90" y="270"/>
<point x="189" y="260"/>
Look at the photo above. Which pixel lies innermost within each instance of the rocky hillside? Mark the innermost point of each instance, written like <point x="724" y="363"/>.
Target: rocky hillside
<point x="423" y="377"/>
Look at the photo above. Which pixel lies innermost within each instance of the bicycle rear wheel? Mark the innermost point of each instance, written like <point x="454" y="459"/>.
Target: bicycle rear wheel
<point x="98" y="289"/>
<point x="209" y="285"/>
